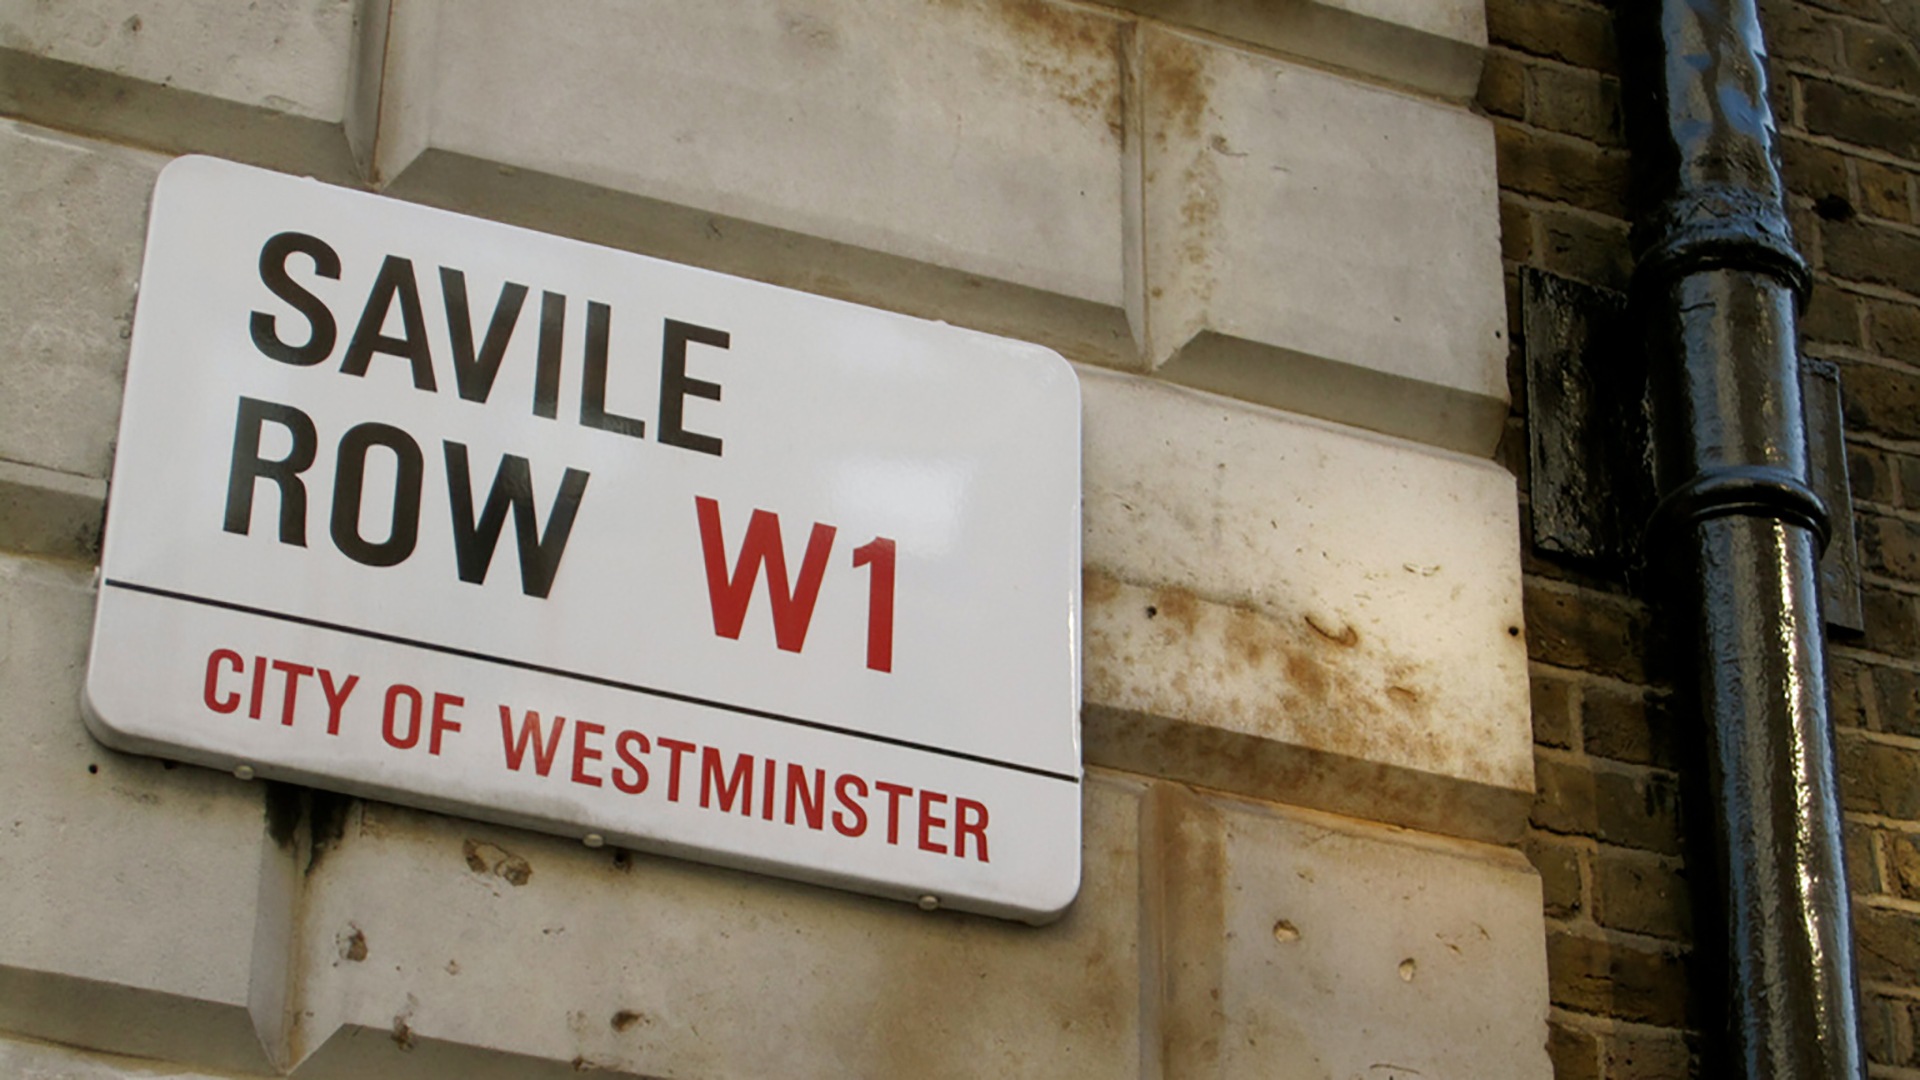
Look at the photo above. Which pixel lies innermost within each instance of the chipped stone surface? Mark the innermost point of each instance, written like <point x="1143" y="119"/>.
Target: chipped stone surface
<point x="119" y="872"/>
<point x="665" y="968"/>
<point x="979" y="136"/>
<point x="290" y="56"/>
<point x="73" y="218"/>
<point x="1300" y="944"/>
<point x="1270" y="577"/>
<point x="1321" y="245"/>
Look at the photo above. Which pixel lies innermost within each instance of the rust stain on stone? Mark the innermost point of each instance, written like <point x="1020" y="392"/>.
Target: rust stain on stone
<point x="1269" y="675"/>
<point x="1181" y="86"/>
<point x="485" y="858"/>
<point x="1097" y="588"/>
<point x="1346" y="637"/>
<point x="353" y="946"/>
<point x="1307" y="674"/>
<point x="1178" y="606"/>
<point x="626" y="1018"/>
<point x="1183" y="875"/>
<point x="1075" y="54"/>
<point x="402" y="1033"/>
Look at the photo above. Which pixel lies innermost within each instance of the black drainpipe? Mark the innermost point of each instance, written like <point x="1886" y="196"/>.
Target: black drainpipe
<point x="1738" y="531"/>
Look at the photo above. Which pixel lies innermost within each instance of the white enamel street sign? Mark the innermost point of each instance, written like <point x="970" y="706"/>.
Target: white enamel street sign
<point x="445" y="512"/>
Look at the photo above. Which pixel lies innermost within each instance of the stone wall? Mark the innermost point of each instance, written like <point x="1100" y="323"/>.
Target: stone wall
<point x="1268" y="237"/>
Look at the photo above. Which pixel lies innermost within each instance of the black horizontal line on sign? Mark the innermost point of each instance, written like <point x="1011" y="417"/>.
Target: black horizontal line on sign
<point x="578" y="676"/>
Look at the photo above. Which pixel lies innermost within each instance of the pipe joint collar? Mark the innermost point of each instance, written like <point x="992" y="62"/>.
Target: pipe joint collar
<point x="1750" y="490"/>
<point x="1722" y="227"/>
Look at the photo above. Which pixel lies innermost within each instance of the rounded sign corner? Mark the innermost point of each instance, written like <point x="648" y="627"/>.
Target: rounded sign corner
<point x="188" y="167"/>
<point x="1058" y="898"/>
<point x="98" y="725"/>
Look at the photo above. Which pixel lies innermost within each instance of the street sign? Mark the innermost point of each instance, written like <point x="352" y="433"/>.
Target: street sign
<point x="440" y="511"/>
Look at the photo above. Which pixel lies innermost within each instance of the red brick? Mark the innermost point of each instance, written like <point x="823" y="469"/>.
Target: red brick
<point x="1633" y="808"/>
<point x="1882" y="400"/>
<point x="1869" y="476"/>
<point x="1615" y="979"/>
<point x="1503" y="84"/>
<point x="1552" y="711"/>
<point x="1903" y="865"/>
<point x="1588" y="631"/>
<point x="1896" y="694"/>
<point x="1581" y="36"/>
<point x="1626" y="726"/>
<point x="1563" y="169"/>
<point x="1812" y="170"/>
<point x="1876" y="778"/>
<point x="1802" y="36"/>
<point x="1908" y="468"/>
<point x="1577" y="102"/>
<point x="1863" y="871"/>
<point x="1861" y="117"/>
<point x="1563" y="798"/>
<point x="1642" y="894"/>
<point x="1894" y="329"/>
<point x="1886" y="945"/>
<point x="1883" y="191"/>
<point x="1651" y="1056"/>
<point x="1832" y="317"/>
<point x="1877" y="55"/>
<point x="1638" y="810"/>
<point x="1863" y="251"/>
<point x="1889" y="546"/>
<point x="1585" y="248"/>
<point x="1881" y="1028"/>
<point x="1848" y="683"/>
<point x="1864" y="9"/>
<point x="1516" y="229"/>
<point x="1575" y="1054"/>
<point x="1891" y="626"/>
<point x="1559" y="869"/>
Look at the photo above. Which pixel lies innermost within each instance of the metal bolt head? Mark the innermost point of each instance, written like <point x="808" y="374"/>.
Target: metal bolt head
<point x="593" y="839"/>
<point x="244" y="772"/>
<point x="929" y="902"/>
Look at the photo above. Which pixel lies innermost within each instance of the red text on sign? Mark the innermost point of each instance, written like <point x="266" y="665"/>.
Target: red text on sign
<point x="221" y="662"/>
<point x="751" y="786"/>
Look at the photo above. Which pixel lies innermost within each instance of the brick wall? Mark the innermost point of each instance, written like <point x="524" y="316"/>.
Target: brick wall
<point x="1629" y="995"/>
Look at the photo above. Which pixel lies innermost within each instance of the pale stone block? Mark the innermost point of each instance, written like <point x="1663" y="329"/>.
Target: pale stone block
<point x="288" y="84"/>
<point x="1321" y="244"/>
<point x="131" y="887"/>
<point x="43" y="512"/>
<point x="73" y="218"/>
<point x="422" y="931"/>
<point x="958" y="160"/>
<point x="29" y="1060"/>
<point x="1278" y="606"/>
<point x="1434" y="46"/>
<point x="1298" y="944"/>
<point x="286" y="55"/>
